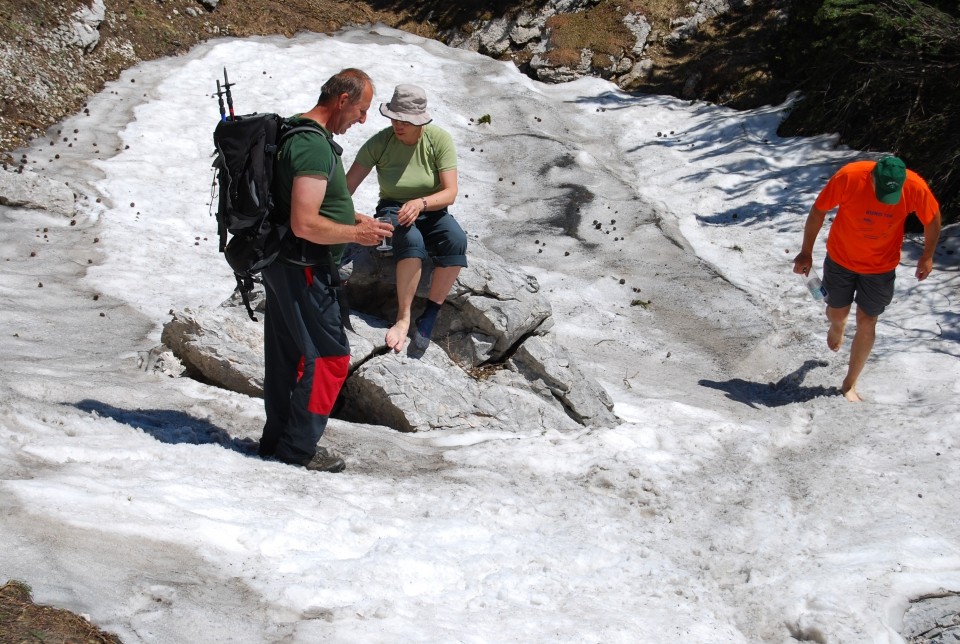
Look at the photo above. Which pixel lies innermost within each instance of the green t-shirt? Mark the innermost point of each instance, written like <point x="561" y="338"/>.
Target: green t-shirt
<point x="306" y="153"/>
<point x="407" y="172"/>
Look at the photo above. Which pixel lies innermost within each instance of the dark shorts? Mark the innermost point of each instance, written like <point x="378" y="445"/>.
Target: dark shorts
<point x="871" y="292"/>
<point x="435" y="234"/>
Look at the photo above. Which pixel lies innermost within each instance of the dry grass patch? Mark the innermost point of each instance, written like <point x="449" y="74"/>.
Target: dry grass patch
<point x="599" y="29"/>
<point x="22" y="621"/>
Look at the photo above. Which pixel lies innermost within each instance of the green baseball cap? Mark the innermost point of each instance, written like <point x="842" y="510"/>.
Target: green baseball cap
<point x="888" y="177"/>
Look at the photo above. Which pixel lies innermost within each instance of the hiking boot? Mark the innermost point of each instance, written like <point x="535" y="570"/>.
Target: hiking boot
<point x="326" y="461"/>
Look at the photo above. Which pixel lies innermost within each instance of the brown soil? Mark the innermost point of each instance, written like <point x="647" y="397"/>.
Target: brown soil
<point x="21" y="620"/>
<point x="43" y="81"/>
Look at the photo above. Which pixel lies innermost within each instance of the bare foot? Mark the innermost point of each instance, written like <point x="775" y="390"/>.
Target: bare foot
<point x="835" y="336"/>
<point x="397" y="336"/>
<point x="850" y="393"/>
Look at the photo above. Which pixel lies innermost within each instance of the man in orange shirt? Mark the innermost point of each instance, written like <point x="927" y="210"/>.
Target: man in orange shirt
<point x="863" y="247"/>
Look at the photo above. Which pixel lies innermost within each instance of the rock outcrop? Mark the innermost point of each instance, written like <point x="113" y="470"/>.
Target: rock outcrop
<point x="494" y="363"/>
<point x="529" y="37"/>
<point x="84" y="29"/>
<point x="25" y="189"/>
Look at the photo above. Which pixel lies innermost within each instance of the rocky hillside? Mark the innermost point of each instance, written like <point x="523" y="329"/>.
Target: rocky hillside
<point x="881" y="73"/>
<point x="55" y="55"/>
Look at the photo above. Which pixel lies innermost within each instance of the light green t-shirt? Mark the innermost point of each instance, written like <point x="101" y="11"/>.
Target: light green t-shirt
<point x="407" y="172"/>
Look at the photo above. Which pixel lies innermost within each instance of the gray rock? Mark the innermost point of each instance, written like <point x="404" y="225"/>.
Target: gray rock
<point x="528" y="33"/>
<point x="550" y="73"/>
<point x="210" y="4"/>
<point x="570" y="6"/>
<point x="703" y="10"/>
<point x="494" y="39"/>
<point x="220" y="346"/>
<point x="528" y="38"/>
<point x="490" y="309"/>
<point x="521" y="35"/>
<point x="543" y="360"/>
<point x="640" y="28"/>
<point x="411" y="392"/>
<point x="29" y="190"/>
<point x="160" y="360"/>
<point x="637" y="74"/>
<point x="932" y="620"/>
<point x="84" y="31"/>
<point x="493" y="363"/>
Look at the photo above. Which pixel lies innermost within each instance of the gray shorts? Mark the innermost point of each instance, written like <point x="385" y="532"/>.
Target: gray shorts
<point x="871" y="292"/>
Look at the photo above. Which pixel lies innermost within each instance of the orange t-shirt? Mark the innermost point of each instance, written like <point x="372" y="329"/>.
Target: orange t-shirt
<point x="866" y="235"/>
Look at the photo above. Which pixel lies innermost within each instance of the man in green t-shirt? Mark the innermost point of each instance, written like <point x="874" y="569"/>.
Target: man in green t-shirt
<point x="306" y="353"/>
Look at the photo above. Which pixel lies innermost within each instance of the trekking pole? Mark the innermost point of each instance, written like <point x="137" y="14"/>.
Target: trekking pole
<point x="219" y="95"/>
<point x="226" y="87"/>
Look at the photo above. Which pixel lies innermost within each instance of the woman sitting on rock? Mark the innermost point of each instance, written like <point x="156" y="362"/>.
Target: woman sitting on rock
<point x="416" y="166"/>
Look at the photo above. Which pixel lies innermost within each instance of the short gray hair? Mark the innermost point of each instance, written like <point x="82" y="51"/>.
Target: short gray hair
<point x="349" y="81"/>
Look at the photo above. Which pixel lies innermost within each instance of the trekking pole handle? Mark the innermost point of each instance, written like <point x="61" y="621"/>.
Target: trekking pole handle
<point x="226" y="87"/>
<point x="219" y="95"/>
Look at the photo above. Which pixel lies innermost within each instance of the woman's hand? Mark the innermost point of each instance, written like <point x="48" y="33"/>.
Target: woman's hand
<point x="408" y="212"/>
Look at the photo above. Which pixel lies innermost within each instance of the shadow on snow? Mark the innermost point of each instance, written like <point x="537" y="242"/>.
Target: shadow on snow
<point x="170" y="426"/>
<point x="786" y="391"/>
<point x="787" y="172"/>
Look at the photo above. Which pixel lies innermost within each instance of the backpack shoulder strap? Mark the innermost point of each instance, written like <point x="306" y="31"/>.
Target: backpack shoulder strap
<point x="310" y="128"/>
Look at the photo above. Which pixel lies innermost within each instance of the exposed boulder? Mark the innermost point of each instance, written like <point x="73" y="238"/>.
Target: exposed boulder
<point x="217" y="345"/>
<point x="640" y="28"/>
<point x="494" y="362"/>
<point x="543" y="361"/>
<point x="637" y="75"/>
<point x="490" y="311"/>
<point x="932" y="619"/>
<point x="495" y="39"/>
<point x="414" y="391"/>
<point x="548" y="70"/>
<point x="520" y="35"/>
<point x="84" y="29"/>
<point x="25" y="189"/>
<point x="503" y="35"/>
<point x="703" y="10"/>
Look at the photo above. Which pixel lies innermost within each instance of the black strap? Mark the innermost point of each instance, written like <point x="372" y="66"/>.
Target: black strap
<point x="337" y="150"/>
<point x="341" y="291"/>
<point x="245" y="287"/>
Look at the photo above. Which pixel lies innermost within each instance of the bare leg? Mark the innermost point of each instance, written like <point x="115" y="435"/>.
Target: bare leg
<point x="441" y="282"/>
<point x="838" y="322"/>
<point x="408" y="278"/>
<point x="859" y="352"/>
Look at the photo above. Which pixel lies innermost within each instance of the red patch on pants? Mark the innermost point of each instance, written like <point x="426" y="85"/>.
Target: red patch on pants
<point x="329" y="373"/>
